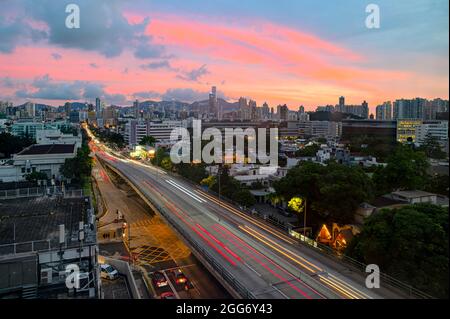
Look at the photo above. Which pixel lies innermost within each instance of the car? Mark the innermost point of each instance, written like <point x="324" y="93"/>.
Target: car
<point x="108" y="272"/>
<point x="159" y="280"/>
<point x="167" y="295"/>
<point x="180" y="278"/>
<point x="284" y="212"/>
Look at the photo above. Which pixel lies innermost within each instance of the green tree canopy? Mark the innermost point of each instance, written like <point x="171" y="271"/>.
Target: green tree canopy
<point x="406" y="169"/>
<point x="431" y="147"/>
<point x="12" y="144"/>
<point x="308" y="151"/>
<point x="79" y="167"/>
<point x="409" y="243"/>
<point x="333" y="191"/>
<point x="148" y="140"/>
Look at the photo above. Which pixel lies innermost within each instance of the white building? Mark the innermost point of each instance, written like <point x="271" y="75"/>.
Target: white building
<point x="56" y="137"/>
<point x="47" y="159"/>
<point x="135" y="130"/>
<point x="438" y="129"/>
<point x="325" y="129"/>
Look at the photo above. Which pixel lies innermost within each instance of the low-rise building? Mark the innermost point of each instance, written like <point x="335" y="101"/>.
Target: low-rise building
<point x="42" y="239"/>
<point x="46" y="159"/>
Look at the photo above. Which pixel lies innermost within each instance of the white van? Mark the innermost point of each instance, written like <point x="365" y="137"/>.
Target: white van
<point x="108" y="272"/>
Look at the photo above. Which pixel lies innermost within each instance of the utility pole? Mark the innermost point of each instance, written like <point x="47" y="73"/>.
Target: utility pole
<point x="304" y="220"/>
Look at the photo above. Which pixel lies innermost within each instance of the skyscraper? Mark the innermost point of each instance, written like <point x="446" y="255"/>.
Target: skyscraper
<point x="365" y="110"/>
<point x="384" y="111"/>
<point x="213" y="104"/>
<point x="136" y="109"/>
<point x="341" y="107"/>
<point x="409" y="109"/>
<point x="243" y="109"/>
<point x="265" y="112"/>
<point x="98" y="107"/>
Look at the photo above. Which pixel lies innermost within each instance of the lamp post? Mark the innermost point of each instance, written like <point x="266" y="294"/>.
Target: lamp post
<point x="304" y="220"/>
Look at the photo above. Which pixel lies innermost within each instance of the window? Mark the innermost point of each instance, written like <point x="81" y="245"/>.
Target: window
<point x="23" y="169"/>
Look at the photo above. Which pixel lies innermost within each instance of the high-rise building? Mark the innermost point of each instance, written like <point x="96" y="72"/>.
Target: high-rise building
<point x="67" y="109"/>
<point x="252" y="109"/>
<point x="98" y="107"/>
<point x="384" y="111"/>
<point x="30" y="109"/>
<point x="136" y="109"/>
<point x="341" y="105"/>
<point x="244" y="109"/>
<point x="282" y="112"/>
<point x="265" y="111"/>
<point x="409" y="109"/>
<point x="214" y="111"/>
<point x="365" y="110"/>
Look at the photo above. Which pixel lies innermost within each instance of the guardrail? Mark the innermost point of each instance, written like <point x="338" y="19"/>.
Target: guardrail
<point x="25" y="247"/>
<point x="361" y="267"/>
<point x="40" y="191"/>
<point x="226" y="275"/>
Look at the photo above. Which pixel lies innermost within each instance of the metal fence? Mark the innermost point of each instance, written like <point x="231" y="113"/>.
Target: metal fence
<point x="40" y="191"/>
<point x="226" y="275"/>
<point x="389" y="280"/>
<point x="25" y="247"/>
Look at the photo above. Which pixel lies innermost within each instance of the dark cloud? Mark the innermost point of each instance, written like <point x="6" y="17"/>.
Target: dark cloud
<point x="47" y="89"/>
<point x="7" y="82"/>
<point x="93" y="65"/>
<point x="194" y="75"/>
<point x="103" y="28"/>
<point x="56" y="56"/>
<point x="147" y="95"/>
<point x="157" y="65"/>
<point x="15" y="32"/>
<point x="184" y="95"/>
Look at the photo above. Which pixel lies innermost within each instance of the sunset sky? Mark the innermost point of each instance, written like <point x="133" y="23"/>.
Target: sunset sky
<point x="298" y="52"/>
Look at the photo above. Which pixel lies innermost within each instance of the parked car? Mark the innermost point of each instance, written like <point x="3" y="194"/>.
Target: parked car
<point x="159" y="280"/>
<point x="108" y="272"/>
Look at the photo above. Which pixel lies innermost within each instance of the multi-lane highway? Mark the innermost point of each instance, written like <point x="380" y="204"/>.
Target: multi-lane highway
<point x="262" y="259"/>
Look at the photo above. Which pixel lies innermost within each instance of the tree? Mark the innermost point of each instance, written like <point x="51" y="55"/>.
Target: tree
<point x="36" y="176"/>
<point x="166" y="163"/>
<point x="243" y="197"/>
<point x="78" y="168"/>
<point x="11" y="144"/>
<point x="148" y="141"/>
<point x="209" y="181"/>
<point x="410" y="244"/>
<point x="160" y="154"/>
<point x="438" y="184"/>
<point x="193" y="172"/>
<point x="406" y="169"/>
<point x="432" y="148"/>
<point x="332" y="192"/>
<point x="308" y="151"/>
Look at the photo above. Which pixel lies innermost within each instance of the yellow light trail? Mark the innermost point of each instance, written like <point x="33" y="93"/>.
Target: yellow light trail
<point x="257" y="223"/>
<point x="333" y="281"/>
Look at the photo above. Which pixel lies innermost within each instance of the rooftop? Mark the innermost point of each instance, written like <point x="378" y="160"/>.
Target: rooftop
<point x="40" y="149"/>
<point x="38" y="219"/>
<point x="413" y="194"/>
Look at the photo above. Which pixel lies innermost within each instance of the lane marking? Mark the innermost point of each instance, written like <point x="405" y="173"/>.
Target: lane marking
<point x="198" y="199"/>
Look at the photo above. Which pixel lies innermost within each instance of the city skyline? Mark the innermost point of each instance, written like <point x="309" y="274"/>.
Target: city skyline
<point x="287" y="53"/>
